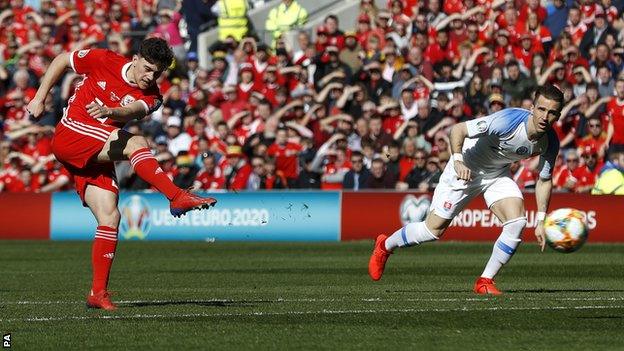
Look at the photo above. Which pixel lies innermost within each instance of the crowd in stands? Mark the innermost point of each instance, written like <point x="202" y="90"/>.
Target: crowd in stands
<point x="366" y="104"/>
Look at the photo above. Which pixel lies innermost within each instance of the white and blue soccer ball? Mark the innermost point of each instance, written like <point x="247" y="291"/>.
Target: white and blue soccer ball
<point x="566" y="229"/>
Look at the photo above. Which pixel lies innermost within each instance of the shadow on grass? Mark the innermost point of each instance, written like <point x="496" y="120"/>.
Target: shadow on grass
<point x="529" y="291"/>
<point x="204" y="303"/>
<point x="554" y="291"/>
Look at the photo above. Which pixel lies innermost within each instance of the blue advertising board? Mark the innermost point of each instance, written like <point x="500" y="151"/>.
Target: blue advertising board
<point x="244" y="216"/>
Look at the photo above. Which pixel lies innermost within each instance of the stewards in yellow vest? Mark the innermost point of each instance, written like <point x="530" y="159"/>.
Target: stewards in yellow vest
<point x="233" y="19"/>
<point x="287" y="16"/>
<point x="611" y="179"/>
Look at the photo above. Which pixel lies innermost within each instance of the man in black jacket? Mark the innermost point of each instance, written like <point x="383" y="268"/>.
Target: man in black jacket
<point x="597" y="34"/>
<point x="357" y="177"/>
<point x="380" y="177"/>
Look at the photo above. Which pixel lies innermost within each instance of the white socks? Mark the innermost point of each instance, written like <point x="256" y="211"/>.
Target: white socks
<point x="411" y="234"/>
<point x="505" y="246"/>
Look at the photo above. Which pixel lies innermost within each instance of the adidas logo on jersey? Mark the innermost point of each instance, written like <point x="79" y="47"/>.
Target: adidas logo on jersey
<point x="109" y="255"/>
<point x="158" y="170"/>
<point x="102" y="84"/>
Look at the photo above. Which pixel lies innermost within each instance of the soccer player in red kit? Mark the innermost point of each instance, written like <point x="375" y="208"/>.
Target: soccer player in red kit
<point x="88" y="139"/>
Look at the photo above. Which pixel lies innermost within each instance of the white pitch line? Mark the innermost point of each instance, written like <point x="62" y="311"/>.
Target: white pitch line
<point x="280" y="300"/>
<point x="321" y="312"/>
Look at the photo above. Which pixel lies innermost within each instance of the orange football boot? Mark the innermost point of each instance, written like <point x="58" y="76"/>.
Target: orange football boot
<point x="486" y="286"/>
<point x="378" y="258"/>
<point x="186" y="201"/>
<point x="100" y="300"/>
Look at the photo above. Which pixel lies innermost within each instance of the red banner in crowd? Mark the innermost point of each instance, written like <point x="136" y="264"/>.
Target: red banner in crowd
<point x="368" y="214"/>
<point x="25" y="216"/>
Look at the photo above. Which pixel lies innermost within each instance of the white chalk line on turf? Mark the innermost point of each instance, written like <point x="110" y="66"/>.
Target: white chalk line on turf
<point x="280" y="300"/>
<point x="294" y="313"/>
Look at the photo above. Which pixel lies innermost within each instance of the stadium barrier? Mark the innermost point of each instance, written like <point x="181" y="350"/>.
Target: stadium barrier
<point x="281" y="216"/>
<point x="366" y="215"/>
<point x="244" y="216"/>
<point x="24" y="216"/>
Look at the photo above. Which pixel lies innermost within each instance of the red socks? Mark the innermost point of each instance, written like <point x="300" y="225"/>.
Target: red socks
<point x="102" y="256"/>
<point x="146" y="167"/>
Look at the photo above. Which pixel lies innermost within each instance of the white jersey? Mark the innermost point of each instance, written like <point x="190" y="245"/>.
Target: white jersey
<point x="497" y="140"/>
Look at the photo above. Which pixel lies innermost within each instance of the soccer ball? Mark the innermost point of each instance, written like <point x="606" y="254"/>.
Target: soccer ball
<point x="566" y="230"/>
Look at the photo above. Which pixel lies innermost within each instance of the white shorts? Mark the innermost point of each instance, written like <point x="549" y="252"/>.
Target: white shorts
<point x="452" y="194"/>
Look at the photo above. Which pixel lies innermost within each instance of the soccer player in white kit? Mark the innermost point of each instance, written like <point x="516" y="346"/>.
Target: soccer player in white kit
<point x="483" y="150"/>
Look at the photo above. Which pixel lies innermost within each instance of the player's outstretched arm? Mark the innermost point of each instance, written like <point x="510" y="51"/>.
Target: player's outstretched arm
<point x="52" y="75"/>
<point x="135" y="110"/>
<point x="459" y="132"/>
<point x="543" y="188"/>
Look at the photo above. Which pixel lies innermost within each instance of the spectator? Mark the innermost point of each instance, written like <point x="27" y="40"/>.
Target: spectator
<point x="186" y="172"/>
<point x="288" y="15"/>
<point x="232" y="20"/>
<point x="596" y="139"/>
<point x="211" y="177"/>
<point x="168" y="29"/>
<point x="380" y="178"/>
<point x="522" y="176"/>
<point x="573" y="177"/>
<point x="198" y="17"/>
<point x="285" y="154"/>
<point x="238" y="170"/>
<point x="597" y="34"/>
<point x="178" y="140"/>
<point x="611" y="178"/>
<point x="357" y="177"/>
<point x="518" y="85"/>
<point x="419" y="172"/>
<point x="615" y="111"/>
<point x="308" y="177"/>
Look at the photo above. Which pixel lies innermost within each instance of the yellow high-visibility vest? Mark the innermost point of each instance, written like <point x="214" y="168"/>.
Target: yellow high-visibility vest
<point x="232" y="19"/>
<point x="609" y="182"/>
<point x="282" y="19"/>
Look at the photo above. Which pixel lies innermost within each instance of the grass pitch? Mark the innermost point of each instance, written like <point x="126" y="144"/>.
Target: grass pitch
<point x="206" y="296"/>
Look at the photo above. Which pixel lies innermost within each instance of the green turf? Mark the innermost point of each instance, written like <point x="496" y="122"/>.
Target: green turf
<point x="271" y="296"/>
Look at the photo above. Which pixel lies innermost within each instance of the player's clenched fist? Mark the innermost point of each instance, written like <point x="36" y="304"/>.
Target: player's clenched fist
<point x="35" y="107"/>
<point x="98" y="111"/>
<point x="463" y="172"/>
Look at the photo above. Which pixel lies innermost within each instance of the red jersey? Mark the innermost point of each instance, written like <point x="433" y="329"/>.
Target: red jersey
<point x="406" y="164"/>
<point x="577" y="32"/>
<point x="392" y="123"/>
<point x="330" y="169"/>
<point x="214" y="180"/>
<point x="59" y="173"/>
<point x="615" y="110"/>
<point x="106" y="83"/>
<point x="591" y="143"/>
<point x="524" y="178"/>
<point x="582" y="175"/>
<point x="286" y="158"/>
<point x="11" y="181"/>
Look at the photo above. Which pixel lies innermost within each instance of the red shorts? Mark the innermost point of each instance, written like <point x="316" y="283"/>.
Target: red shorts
<point x="76" y="145"/>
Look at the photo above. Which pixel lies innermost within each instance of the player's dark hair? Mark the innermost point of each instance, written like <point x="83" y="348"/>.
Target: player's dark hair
<point x="156" y="51"/>
<point x="550" y="92"/>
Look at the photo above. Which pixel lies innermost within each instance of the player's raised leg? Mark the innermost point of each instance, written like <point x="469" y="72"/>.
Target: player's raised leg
<point x="122" y="145"/>
<point x="510" y="211"/>
<point x="103" y="205"/>
<point x="412" y="234"/>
